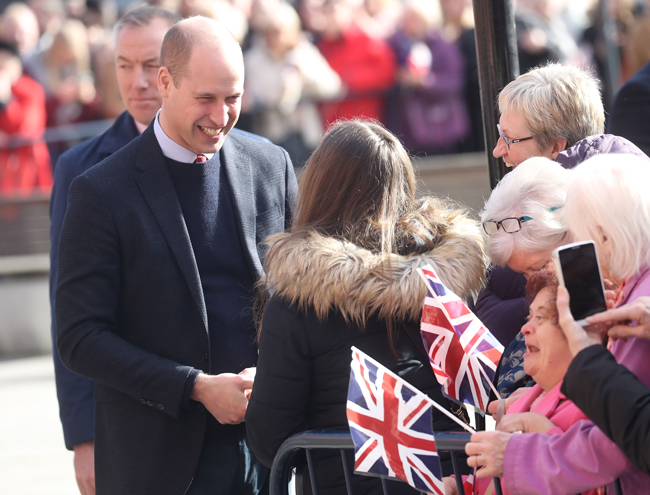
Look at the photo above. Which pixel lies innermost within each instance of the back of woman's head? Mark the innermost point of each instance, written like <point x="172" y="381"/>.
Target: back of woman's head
<point x="536" y="189"/>
<point x="608" y="201"/>
<point x="357" y="184"/>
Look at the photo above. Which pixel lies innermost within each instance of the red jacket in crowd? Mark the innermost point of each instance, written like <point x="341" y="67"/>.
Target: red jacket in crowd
<point x="367" y="68"/>
<point x="27" y="168"/>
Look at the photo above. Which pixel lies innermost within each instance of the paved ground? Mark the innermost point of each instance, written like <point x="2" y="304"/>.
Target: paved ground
<point x="33" y="459"/>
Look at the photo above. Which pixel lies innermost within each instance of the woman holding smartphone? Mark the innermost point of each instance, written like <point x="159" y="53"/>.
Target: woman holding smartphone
<point x="608" y="202"/>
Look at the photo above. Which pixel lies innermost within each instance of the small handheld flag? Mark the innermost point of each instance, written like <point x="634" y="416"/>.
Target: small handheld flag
<point x="462" y="351"/>
<point x="390" y="423"/>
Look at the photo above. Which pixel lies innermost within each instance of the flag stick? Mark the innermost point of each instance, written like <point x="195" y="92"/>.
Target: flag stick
<point x="426" y="282"/>
<point x="489" y="381"/>
<point x="452" y="417"/>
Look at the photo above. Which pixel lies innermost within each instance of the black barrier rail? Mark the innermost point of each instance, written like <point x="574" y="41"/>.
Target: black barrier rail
<point x="287" y="457"/>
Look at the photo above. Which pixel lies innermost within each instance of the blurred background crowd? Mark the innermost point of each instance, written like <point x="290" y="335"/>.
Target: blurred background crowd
<point x="411" y="64"/>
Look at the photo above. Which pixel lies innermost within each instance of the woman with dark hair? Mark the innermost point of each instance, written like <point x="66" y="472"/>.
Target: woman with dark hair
<point x="346" y="275"/>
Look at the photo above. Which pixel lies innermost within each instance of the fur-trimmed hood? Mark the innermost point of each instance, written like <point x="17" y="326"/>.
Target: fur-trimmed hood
<point x="324" y="273"/>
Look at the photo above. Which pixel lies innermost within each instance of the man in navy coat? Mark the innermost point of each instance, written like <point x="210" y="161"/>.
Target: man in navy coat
<point x="630" y="115"/>
<point x="158" y="257"/>
<point x="138" y="36"/>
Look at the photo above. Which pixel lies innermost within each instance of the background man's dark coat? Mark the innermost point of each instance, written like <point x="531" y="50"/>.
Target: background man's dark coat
<point x="75" y="393"/>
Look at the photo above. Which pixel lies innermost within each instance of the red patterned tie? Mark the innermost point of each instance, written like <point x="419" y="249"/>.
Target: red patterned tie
<point x="201" y="159"/>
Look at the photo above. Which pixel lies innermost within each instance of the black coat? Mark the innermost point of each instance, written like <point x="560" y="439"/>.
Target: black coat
<point x="75" y="393"/>
<point x="614" y="399"/>
<point x="302" y="381"/>
<point x="130" y="312"/>
<point x="329" y="296"/>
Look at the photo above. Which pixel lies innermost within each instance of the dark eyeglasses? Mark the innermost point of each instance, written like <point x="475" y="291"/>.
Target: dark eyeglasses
<point x="508" y="141"/>
<point x="509" y="225"/>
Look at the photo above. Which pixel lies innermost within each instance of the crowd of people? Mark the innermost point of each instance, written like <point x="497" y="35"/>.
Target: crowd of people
<point x="204" y="304"/>
<point x="409" y="64"/>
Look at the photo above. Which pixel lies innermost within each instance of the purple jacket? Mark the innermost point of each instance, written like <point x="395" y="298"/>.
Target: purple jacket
<point x="598" y="144"/>
<point x="434" y="117"/>
<point x="582" y="457"/>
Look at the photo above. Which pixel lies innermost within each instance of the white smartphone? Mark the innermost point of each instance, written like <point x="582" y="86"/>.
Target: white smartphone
<point x="577" y="269"/>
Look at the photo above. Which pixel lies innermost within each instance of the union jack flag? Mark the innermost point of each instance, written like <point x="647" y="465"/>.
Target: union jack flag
<point x="390" y="423"/>
<point x="462" y="351"/>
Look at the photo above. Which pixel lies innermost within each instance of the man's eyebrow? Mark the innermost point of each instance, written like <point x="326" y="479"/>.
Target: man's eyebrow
<point x="146" y="61"/>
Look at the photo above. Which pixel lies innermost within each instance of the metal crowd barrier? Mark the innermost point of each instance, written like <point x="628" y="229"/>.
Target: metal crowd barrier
<point x="287" y="459"/>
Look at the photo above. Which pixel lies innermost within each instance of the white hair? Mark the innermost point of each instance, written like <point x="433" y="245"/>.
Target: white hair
<point x="608" y="200"/>
<point x="536" y="188"/>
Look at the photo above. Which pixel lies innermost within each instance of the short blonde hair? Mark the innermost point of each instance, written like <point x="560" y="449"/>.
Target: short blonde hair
<point x="608" y="196"/>
<point x="556" y="102"/>
<point x="536" y="188"/>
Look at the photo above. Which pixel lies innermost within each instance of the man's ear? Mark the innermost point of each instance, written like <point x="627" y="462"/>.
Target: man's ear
<point x="558" y="147"/>
<point x="164" y="82"/>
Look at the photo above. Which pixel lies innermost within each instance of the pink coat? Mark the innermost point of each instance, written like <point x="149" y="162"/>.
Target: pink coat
<point x="554" y="405"/>
<point x="583" y="457"/>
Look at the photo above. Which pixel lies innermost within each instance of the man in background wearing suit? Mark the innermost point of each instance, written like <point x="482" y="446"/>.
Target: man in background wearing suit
<point x="158" y="256"/>
<point x="630" y="115"/>
<point x="138" y="38"/>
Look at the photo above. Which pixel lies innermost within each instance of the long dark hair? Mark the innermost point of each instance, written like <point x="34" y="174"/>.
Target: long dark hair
<point x="357" y="184"/>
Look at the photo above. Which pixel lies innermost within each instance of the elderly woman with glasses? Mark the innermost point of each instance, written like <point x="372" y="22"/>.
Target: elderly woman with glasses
<point x="523" y="223"/>
<point x="607" y="201"/>
<point x="546" y="111"/>
<point x="555" y="112"/>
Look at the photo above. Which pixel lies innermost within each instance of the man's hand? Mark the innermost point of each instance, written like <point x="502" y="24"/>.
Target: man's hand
<point x="487" y="449"/>
<point x="84" y="467"/>
<point x="638" y="311"/>
<point x="528" y="422"/>
<point x="248" y="373"/>
<point x="224" y="395"/>
<point x="578" y="337"/>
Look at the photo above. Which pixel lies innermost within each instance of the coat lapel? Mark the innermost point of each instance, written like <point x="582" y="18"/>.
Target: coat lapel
<point x="237" y="165"/>
<point x="158" y="189"/>
<point x="121" y="133"/>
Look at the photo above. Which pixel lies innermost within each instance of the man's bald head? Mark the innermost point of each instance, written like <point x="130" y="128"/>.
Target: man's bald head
<point x="189" y="33"/>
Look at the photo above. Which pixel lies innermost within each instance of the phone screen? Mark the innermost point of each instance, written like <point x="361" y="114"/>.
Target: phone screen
<point x="582" y="279"/>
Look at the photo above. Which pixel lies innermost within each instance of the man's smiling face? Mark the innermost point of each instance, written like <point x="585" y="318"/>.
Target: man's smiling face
<point x="201" y="110"/>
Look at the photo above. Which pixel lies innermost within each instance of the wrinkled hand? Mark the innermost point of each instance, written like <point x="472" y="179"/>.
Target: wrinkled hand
<point x="578" y="337"/>
<point x="528" y="422"/>
<point x="84" y="467"/>
<point x="224" y="395"/>
<point x="492" y="406"/>
<point x="487" y="449"/>
<point x="622" y="318"/>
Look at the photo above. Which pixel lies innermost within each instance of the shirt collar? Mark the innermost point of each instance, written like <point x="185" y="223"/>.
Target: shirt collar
<point x="170" y="148"/>
<point x="140" y="127"/>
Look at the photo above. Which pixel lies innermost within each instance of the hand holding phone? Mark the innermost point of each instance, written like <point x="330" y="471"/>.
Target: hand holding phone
<point x="577" y="269"/>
